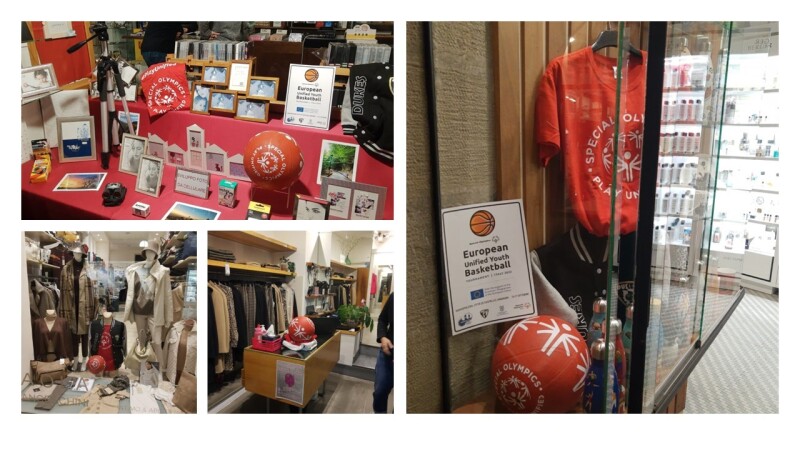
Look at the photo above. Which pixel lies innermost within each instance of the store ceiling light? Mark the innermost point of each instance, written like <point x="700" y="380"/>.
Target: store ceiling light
<point x="143" y="244"/>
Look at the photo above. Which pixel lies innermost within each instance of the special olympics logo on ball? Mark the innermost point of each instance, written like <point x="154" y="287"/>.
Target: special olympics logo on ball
<point x="482" y="223"/>
<point x="312" y="75"/>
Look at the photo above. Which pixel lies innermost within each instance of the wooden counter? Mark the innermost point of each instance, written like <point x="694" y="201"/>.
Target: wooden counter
<point x="259" y="373"/>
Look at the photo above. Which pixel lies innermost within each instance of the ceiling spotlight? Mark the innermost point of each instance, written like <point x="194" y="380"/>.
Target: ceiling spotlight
<point x="143" y="244"/>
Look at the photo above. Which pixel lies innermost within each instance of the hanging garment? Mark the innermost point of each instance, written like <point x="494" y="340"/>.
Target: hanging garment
<point x="87" y="307"/>
<point x="212" y="340"/>
<point x="111" y="347"/>
<point x="177" y="303"/>
<point x="52" y="344"/>
<point x="180" y="337"/>
<point x="250" y="308"/>
<point x="291" y="301"/>
<point x="277" y="295"/>
<point x="262" y="305"/>
<point x="42" y="299"/>
<point x="223" y="326"/>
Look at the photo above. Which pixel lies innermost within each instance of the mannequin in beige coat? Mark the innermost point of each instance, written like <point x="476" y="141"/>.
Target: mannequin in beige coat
<point x="149" y="300"/>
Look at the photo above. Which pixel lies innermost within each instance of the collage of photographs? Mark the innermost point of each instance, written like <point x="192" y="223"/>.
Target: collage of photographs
<point x="552" y="251"/>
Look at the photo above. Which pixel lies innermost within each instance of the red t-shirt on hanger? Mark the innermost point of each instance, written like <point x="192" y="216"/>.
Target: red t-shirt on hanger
<point x="575" y="110"/>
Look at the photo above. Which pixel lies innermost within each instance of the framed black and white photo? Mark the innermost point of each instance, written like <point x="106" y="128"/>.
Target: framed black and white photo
<point x="192" y="182"/>
<point x="222" y="101"/>
<point x="214" y="159"/>
<point x="132" y="149"/>
<point x="148" y="179"/>
<point x="200" y="97"/>
<point x="355" y="201"/>
<point x="240" y="75"/>
<point x="76" y="139"/>
<point x="216" y="73"/>
<point x="263" y="87"/>
<point x="252" y="109"/>
<point x="310" y="208"/>
<point x="38" y="80"/>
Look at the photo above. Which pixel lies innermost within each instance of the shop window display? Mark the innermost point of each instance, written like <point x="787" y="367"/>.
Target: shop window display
<point x="311" y="315"/>
<point x="574" y="145"/>
<point x="122" y="334"/>
<point x="204" y="82"/>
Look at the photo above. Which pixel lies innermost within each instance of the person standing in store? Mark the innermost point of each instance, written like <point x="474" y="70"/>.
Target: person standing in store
<point x="384" y="368"/>
<point x="159" y="40"/>
<point x="226" y="31"/>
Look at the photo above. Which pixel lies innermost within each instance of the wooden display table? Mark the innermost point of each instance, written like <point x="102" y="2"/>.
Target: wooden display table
<point x="259" y="374"/>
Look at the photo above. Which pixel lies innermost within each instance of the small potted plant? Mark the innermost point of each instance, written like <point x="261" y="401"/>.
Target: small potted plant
<point x="352" y="316"/>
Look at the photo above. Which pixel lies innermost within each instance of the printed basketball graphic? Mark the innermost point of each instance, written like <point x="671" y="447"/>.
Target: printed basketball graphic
<point x="312" y="75"/>
<point x="539" y="366"/>
<point x="481" y="223"/>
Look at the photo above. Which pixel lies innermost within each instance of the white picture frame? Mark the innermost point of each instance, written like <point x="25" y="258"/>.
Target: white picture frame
<point x="239" y="79"/>
<point x="132" y="149"/>
<point x="149" y="176"/>
<point x="175" y="156"/>
<point x="38" y="80"/>
<point x="235" y="168"/>
<point x="214" y="159"/>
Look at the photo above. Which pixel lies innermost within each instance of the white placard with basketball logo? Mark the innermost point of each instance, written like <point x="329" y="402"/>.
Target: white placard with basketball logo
<point x="309" y="95"/>
<point x="487" y="267"/>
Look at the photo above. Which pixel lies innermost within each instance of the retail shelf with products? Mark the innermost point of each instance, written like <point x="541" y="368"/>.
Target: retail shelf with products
<point x="185" y="263"/>
<point x="749" y="158"/>
<point x="249" y="268"/>
<point x="42" y="237"/>
<point x="347" y="280"/>
<point x="338" y="265"/>
<point x="762" y="222"/>
<point x="253" y="239"/>
<point x="44" y="265"/>
<point x="762" y="125"/>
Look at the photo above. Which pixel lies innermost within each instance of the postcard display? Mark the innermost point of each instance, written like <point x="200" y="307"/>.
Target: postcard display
<point x="132" y="346"/>
<point x="211" y="143"/>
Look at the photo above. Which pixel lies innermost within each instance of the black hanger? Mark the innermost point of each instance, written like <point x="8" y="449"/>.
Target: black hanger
<point x="609" y="38"/>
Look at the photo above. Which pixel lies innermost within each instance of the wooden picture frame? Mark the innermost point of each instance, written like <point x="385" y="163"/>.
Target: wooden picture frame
<point x="239" y="75"/>
<point x="252" y="109"/>
<point x="310" y="208"/>
<point x="131" y="150"/>
<point x="149" y="176"/>
<point x="195" y="183"/>
<point x="156" y="146"/>
<point x="356" y="201"/>
<point x="269" y="86"/>
<point x="235" y="168"/>
<point x="76" y="139"/>
<point x="200" y="92"/>
<point x="175" y="156"/>
<point x="214" y="159"/>
<point x="223" y="101"/>
<point x="216" y="73"/>
<point x="38" y="80"/>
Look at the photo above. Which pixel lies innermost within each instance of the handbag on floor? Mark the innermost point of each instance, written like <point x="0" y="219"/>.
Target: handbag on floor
<point x="49" y="372"/>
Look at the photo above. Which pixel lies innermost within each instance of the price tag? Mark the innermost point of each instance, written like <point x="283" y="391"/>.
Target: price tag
<point x="227" y="270"/>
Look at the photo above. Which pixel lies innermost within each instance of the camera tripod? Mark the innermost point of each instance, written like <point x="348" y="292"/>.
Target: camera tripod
<point x="108" y="76"/>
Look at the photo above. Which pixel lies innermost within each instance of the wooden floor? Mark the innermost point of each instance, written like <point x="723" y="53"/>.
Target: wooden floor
<point x="343" y="395"/>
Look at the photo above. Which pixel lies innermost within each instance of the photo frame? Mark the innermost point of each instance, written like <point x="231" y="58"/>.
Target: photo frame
<point x="310" y="208"/>
<point x="195" y="158"/>
<point x="356" y="201"/>
<point x="132" y="149"/>
<point x="263" y="87"/>
<point x="239" y="78"/>
<point x="200" y="98"/>
<point x="214" y="159"/>
<point x="81" y="182"/>
<point x="176" y="156"/>
<point x="223" y="101"/>
<point x="148" y="178"/>
<point x="38" y="80"/>
<point x="235" y="168"/>
<point x="76" y="139"/>
<point x="252" y="109"/>
<point x="216" y="73"/>
<point x="195" y="137"/>
<point x="338" y="160"/>
<point x="133" y="124"/>
<point x="156" y="146"/>
<point x="192" y="182"/>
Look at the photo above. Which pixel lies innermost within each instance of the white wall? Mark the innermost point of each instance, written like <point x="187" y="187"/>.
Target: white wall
<point x="360" y="254"/>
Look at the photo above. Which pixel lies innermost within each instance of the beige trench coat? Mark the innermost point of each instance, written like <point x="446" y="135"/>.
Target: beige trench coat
<point x="88" y="306"/>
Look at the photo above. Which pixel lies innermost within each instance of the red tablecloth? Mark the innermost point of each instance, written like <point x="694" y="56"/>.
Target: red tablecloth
<point x="40" y="202"/>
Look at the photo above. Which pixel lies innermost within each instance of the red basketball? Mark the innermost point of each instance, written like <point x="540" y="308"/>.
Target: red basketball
<point x="273" y="160"/>
<point x="539" y="366"/>
<point x="96" y="364"/>
<point x="301" y="330"/>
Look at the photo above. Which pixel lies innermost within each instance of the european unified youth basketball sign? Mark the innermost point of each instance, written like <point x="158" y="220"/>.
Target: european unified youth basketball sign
<point x="487" y="264"/>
